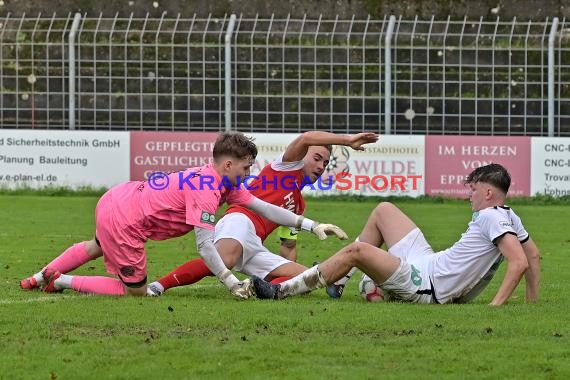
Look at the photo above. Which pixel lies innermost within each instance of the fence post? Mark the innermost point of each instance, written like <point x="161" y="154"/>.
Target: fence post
<point x="388" y="75"/>
<point x="551" y="38"/>
<point x="228" y="71"/>
<point x="72" y="32"/>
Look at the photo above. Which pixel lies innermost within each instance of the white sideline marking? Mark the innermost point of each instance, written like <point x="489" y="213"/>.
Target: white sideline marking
<point x="30" y="300"/>
<point x="60" y="297"/>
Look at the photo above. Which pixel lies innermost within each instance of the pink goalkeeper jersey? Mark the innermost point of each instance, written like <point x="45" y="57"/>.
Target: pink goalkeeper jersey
<point x="191" y="198"/>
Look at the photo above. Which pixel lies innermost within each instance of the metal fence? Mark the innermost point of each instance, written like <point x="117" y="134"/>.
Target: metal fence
<point x="500" y="77"/>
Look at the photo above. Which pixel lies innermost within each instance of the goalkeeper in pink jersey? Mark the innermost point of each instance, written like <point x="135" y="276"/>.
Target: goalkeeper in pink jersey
<point x="167" y="206"/>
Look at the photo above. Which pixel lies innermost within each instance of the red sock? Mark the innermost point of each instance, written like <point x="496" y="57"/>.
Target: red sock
<point x="278" y="280"/>
<point x="186" y="274"/>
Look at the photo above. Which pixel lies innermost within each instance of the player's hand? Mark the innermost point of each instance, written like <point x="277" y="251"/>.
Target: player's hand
<point x="359" y="139"/>
<point x="243" y="289"/>
<point x="322" y="230"/>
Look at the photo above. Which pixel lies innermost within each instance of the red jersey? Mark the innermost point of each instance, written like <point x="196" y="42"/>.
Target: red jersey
<point x="279" y="184"/>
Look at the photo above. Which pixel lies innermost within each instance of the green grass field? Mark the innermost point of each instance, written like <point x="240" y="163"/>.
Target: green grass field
<point x="201" y="332"/>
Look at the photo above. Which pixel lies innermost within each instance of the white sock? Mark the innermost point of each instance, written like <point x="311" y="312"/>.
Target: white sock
<point x="305" y="282"/>
<point x="39" y="278"/>
<point x="63" y="282"/>
<point x="347" y="276"/>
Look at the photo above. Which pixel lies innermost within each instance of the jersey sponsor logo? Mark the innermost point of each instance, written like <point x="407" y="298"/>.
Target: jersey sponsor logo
<point x="289" y="202"/>
<point x="208" y="218"/>
<point x="415" y="276"/>
<point x="504" y="223"/>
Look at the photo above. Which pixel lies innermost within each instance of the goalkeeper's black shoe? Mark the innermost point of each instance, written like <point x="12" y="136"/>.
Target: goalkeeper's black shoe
<point x="334" y="290"/>
<point x="265" y="290"/>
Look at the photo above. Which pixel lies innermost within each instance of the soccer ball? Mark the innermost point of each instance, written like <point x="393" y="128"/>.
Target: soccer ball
<point x="369" y="290"/>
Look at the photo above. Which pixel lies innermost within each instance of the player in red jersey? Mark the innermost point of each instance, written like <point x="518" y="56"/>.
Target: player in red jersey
<point x="240" y="234"/>
<point x="133" y="212"/>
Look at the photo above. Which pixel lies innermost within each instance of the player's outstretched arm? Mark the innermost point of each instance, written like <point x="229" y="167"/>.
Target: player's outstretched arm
<point x="298" y="148"/>
<point x="287" y="218"/>
<point x="517" y="264"/>
<point x="532" y="274"/>
<point x="208" y="251"/>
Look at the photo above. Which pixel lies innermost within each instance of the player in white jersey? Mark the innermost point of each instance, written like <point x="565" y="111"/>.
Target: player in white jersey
<point x="411" y="271"/>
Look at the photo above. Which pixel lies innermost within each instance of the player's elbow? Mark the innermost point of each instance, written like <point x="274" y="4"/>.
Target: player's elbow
<point x="307" y="137"/>
<point x="531" y="251"/>
<point x="524" y="266"/>
<point x="519" y="266"/>
<point x="533" y="255"/>
<point x="203" y="245"/>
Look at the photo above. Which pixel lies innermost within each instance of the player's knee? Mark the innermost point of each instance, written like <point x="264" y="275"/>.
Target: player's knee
<point x="353" y="251"/>
<point x="93" y="249"/>
<point x="137" y="292"/>
<point x="382" y="207"/>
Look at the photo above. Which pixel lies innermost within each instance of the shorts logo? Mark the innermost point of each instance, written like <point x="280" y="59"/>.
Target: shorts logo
<point x="127" y="271"/>
<point x="416" y="278"/>
<point x="208" y="218"/>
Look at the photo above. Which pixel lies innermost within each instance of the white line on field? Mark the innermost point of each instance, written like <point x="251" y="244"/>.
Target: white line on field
<point x="60" y="297"/>
<point x="39" y="299"/>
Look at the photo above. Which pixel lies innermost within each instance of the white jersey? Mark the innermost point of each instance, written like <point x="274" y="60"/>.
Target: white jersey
<point x="462" y="271"/>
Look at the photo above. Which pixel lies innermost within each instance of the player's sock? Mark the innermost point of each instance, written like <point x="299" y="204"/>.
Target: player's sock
<point x="63" y="282"/>
<point x="72" y="258"/>
<point x="305" y="282"/>
<point x="186" y="274"/>
<point x="97" y="285"/>
<point x="278" y="280"/>
<point x="39" y="277"/>
<point x="346" y="277"/>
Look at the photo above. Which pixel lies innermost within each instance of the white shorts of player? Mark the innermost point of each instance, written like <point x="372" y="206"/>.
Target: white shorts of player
<point x="411" y="281"/>
<point x="256" y="259"/>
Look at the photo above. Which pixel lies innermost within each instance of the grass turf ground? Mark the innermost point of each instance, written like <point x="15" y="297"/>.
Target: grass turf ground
<point x="202" y="332"/>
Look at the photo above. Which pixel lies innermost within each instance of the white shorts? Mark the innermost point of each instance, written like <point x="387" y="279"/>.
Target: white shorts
<point x="256" y="259"/>
<point x="411" y="281"/>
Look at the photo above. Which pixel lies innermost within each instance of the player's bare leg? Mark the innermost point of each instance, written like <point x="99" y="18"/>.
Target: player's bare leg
<point x="378" y="264"/>
<point x="386" y="224"/>
<point x="291" y="269"/>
